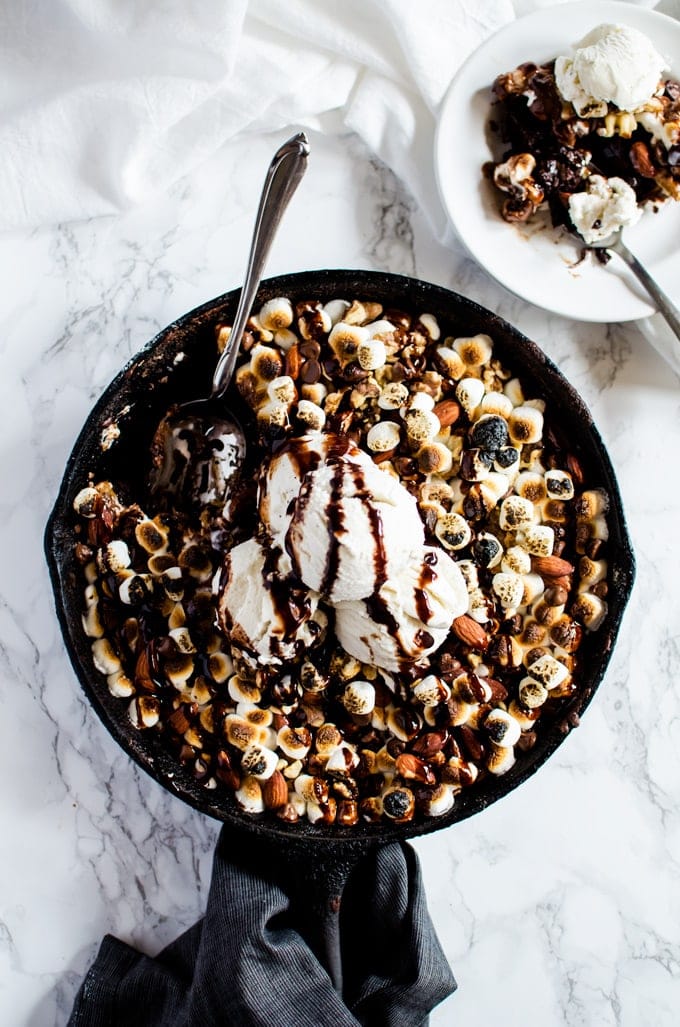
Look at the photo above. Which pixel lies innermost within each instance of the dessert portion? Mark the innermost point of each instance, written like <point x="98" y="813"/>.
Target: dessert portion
<point x="592" y="137"/>
<point x="393" y="602"/>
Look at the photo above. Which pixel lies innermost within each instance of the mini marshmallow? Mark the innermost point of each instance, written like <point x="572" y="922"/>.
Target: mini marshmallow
<point x="182" y="640"/>
<point x="450" y="362"/>
<point x="152" y="536"/>
<point x="294" y="744"/>
<point x="591" y="504"/>
<point x="487" y="550"/>
<point x="517" y="560"/>
<point x="439" y="800"/>
<point x="372" y="354"/>
<point x="474" y="351"/>
<point x="86" y="502"/>
<point x="532" y="693"/>
<point x="282" y="389"/>
<point x="500" y="760"/>
<point x="359" y="697"/>
<point x="589" y="609"/>
<point x="314" y="392"/>
<point x="496" y="403"/>
<point x="220" y="666"/>
<point x="525" y="425"/>
<point x="509" y="588"/>
<point x="276" y="313"/>
<point x="503" y="728"/>
<point x="479" y="606"/>
<point x="105" y="657"/>
<point x="383" y="437"/>
<point x="265" y="362"/>
<point x="285" y="339"/>
<point x="259" y="762"/>
<point x="311" y="415"/>
<point x="469" y="393"/>
<point x="115" y="556"/>
<point x="421" y="425"/>
<point x="515" y="513"/>
<point x="342" y="759"/>
<point x="530" y="485"/>
<point x="534" y="586"/>
<point x="91" y="621"/>
<point x="119" y="685"/>
<point x="393" y="396"/>
<point x="431" y="691"/>
<point x="249" y="796"/>
<point x="513" y="390"/>
<point x="591" y="572"/>
<point x="435" y="458"/>
<point x="453" y="531"/>
<point x="306" y="786"/>
<point x="559" y="484"/>
<point x="538" y="539"/>
<point x="240" y="733"/>
<point x="468" y="568"/>
<point x="243" y="691"/>
<point x="273" y="414"/>
<point x="382" y="329"/>
<point x="431" y="326"/>
<point x="497" y="484"/>
<point x="335" y="310"/>
<point x="421" y="401"/>
<point x="548" y="671"/>
<point x="345" y="340"/>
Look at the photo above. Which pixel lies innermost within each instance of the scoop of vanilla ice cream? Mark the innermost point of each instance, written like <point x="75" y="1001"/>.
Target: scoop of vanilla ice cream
<point x="262" y="611"/>
<point x="612" y="64"/>
<point x="409" y="617"/>
<point x="346" y="526"/>
<point x="605" y="206"/>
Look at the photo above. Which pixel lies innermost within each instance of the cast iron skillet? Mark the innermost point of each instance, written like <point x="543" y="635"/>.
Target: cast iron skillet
<point x="177" y="365"/>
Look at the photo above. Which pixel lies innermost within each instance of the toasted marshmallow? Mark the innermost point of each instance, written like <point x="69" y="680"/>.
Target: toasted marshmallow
<point x="421" y="425"/>
<point x="266" y="362"/>
<point x="282" y="389"/>
<point x="431" y="690"/>
<point x="259" y="762"/>
<point x="393" y="396"/>
<point x="439" y="800"/>
<point x="469" y="393"/>
<point x="516" y="559"/>
<point x="453" y="531"/>
<point x="114" y="557"/>
<point x="86" y="502"/>
<point x="513" y="390"/>
<point x="431" y="326"/>
<point x="475" y="350"/>
<point x="435" y="458"/>
<point x="487" y="550"/>
<point x="509" y="588"/>
<point x="314" y="392"/>
<point x="383" y="437"/>
<point x="276" y="313"/>
<point x="496" y="403"/>
<point x="538" y="539"/>
<point x="152" y="536"/>
<point x="515" y="512"/>
<point x="335" y="310"/>
<point x="534" y="586"/>
<point x="590" y="610"/>
<point x="500" y="759"/>
<point x="591" y="572"/>
<point x="372" y="354"/>
<point x="311" y="415"/>
<point x="591" y="504"/>
<point x="105" y="657"/>
<point x="241" y="733"/>
<point x="285" y="339"/>
<point x="503" y="728"/>
<point x="532" y="693"/>
<point x="468" y="568"/>
<point x="559" y="484"/>
<point x="345" y="340"/>
<point x="525" y="425"/>
<point x="119" y="685"/>
<point x="548" y="671"/>
<point x="530" y="485"/>
<point x="91" y="621"/>
<point x="359" y="697"/>
<point x="249" y="796"/>
<point x="294" y="742"/>
<point x="450" y="362"/>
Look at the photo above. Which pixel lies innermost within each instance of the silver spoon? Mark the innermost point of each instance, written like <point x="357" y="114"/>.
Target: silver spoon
<point x="198" y="450"/>
<point x="614" y="244"/>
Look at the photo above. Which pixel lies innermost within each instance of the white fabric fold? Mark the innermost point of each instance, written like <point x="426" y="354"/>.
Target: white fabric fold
<point x="105" y="102"/>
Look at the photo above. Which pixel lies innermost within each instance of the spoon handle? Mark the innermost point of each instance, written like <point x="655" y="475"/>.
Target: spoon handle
<point x="667" y="308"/>
<point x="283" y="177"/>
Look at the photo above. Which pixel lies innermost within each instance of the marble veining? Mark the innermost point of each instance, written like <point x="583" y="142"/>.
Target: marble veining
<point x="558" y="906"/>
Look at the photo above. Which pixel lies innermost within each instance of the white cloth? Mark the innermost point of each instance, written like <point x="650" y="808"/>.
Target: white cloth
<point x="105" y="102"/>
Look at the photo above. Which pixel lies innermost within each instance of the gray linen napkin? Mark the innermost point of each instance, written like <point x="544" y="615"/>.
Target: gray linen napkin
<point x="250" y="962"/>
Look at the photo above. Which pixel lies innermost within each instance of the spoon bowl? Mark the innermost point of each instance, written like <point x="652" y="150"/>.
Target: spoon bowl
<point x="198" y="449"/>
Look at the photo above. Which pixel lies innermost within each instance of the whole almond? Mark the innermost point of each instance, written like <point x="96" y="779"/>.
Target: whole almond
<point x="413" y="769"/>
<point x="470" y="632"/>
<point x="275" y="791"/>
<point x="293" y="361"/>
<point x="551" y="566"/>
<point x="447" y="411"/>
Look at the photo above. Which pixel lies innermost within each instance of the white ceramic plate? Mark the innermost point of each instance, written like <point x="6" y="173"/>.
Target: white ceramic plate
<point x="539" y="263"/>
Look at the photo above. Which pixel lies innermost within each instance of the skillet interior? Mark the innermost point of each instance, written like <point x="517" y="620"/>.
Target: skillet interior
<point x="137" y="399"/>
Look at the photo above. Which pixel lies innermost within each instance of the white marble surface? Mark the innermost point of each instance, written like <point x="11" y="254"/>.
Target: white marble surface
<point x="560" y="905"/>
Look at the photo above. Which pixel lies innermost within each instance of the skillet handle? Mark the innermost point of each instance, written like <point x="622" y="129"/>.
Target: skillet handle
<point x="319" y="875"/>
